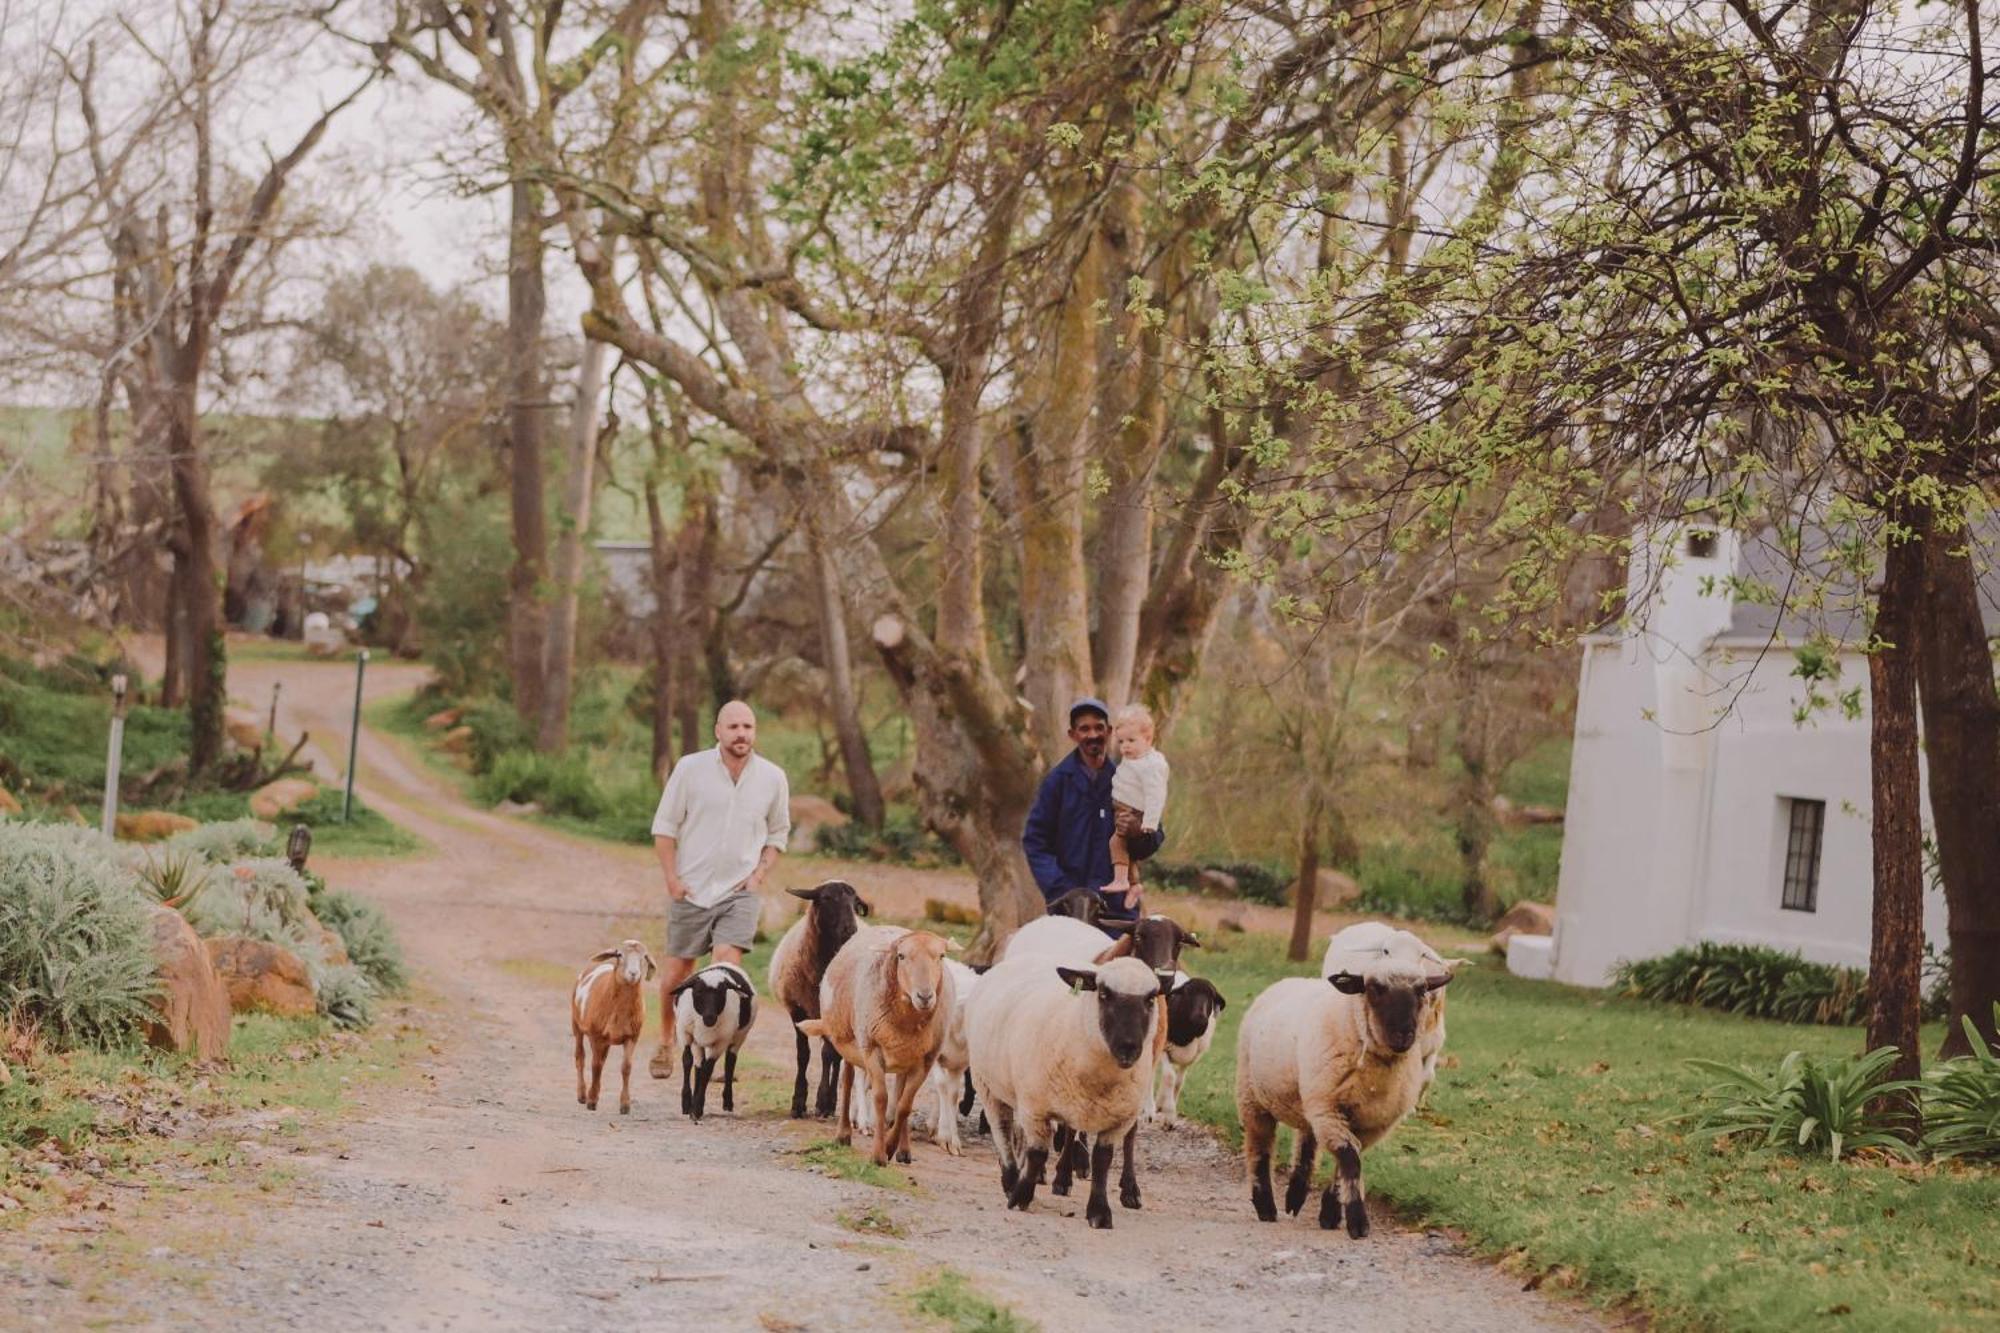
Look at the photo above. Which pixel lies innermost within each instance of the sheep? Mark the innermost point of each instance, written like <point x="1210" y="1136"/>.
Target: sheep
<point x="953" y="1064"/>
<point x="884" y="1003"/>
<point x="1078" y="904"/>
<point x="713" y="1013"/>
<point x="1050" y="1044"/>
<point x="1155" y="940"/>
<point x="797" y="965"/>
<point x="607" y="1006"/>
<point x="1357" y="947"/>
<point x="1193" y="1006"/>
<point x="1337" y="1059"/>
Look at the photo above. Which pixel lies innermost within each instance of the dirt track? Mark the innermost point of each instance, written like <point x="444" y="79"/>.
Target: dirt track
<point x="485" y="1197"/>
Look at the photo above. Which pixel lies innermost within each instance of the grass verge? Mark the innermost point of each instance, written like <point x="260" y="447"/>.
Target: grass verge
<point x="1552" y="1140"/>
<point x="948" y="1296"/>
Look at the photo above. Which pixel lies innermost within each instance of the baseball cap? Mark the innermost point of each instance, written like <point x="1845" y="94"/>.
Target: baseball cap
<point x="1089" y="703"/>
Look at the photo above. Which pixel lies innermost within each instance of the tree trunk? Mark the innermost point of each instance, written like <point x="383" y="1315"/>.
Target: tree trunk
<point x="579" y="486"/>
<point x="862" y="784"/>
<point x="978" y="780"/>
<point x="527" y="303"/>
<point x="1308" y="893"/>
<point x="664" y="627"/>
<point x="206" y="658"/>
<point x="1895" y="958"/>
<point x="1475" y="801"/>
<point x="173" y="679"/>
<point x="697" y="543"/>
<point x="1961" y="714"/>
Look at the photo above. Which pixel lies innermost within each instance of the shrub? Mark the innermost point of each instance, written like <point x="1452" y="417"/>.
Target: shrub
<point x="1807" y="1105"/>
<point x="902" y="839"/>
<point x="175" y="879"/>
<point x="370" y="939"/>
<point x="1256" y="881"/>
<point x="1398" y="880"/>
<point x="226" y="842"/>
<point x="76" y="942"/>
<point x="496" y="730"/>
<point x="1751" y="980"/>
<point x="1962" y="1101"/>
<point x="346" y="998"/>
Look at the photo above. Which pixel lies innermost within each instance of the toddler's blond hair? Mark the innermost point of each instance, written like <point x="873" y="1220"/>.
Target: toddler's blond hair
<point x="1132" y="713"/>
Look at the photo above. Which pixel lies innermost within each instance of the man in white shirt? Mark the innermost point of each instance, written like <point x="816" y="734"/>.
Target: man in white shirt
<point x="721" y="824"/>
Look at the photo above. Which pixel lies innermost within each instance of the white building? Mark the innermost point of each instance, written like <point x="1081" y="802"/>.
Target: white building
<point x="1700" y="806"/>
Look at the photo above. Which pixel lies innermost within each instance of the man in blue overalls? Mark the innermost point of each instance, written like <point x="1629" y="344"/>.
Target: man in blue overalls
<point x="1068" y="835"/>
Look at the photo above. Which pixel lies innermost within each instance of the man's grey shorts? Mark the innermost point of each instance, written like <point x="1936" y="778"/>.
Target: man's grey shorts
<point x="692" y="931"/>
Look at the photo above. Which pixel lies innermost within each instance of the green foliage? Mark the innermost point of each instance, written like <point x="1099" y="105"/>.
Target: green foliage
<point x="175" y="878"/>
<point x="230" y="841"/>
<point x="560" y="784"/>
<point x="1812" y="1105"/>
<point x="902" y="840"/>
<point x="948" y="1295"/>
<point x="1751" y="980"/>
<point x="265" y="899"/>
<point x="57" y="726"/>
<point x="76" y="943"/>
<point x="365" y="931"/>
<point x="1962" y="1101"/>
<point x="463" y="602"/>
<point x="1398" y="880"/>
<point x="346" y="997"/>
<point x="1256" y="881"/>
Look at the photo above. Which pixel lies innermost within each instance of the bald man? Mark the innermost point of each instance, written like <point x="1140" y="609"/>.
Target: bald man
<point x="721" y="824"/>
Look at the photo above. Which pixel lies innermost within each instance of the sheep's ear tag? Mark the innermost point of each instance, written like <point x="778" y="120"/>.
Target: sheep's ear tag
<point x="1077" y="979"/>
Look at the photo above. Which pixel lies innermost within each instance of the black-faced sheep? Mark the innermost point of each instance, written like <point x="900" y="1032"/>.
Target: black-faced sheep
<point x="797" y="965"/>
<point x="713" y="1013"/>
<point x="1193" y="1006"/>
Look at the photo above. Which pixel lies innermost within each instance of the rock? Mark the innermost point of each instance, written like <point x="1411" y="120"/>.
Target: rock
<point x="950" y="913"/>
<point x="275" y="798"/>
<point x="8" y="804"/>
<point x="1218" y="882"/>
<point x="456" y="741"/>
<point x="1334" y="889"/>
<point x="334" y="947"/>
<point x="262" y="975"/>
<point x="1523" y="918"/>
<point x="152" y="825"/>
<point x="444" y="719"/>
<point x="246" y="735"/>
<point x="193" y="1003"/>
<point x="810" y="814"/>
<point x="1229" y="925"/>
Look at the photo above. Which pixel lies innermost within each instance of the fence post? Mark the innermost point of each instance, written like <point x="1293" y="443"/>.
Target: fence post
<point x="354" y="737"/>
<point x="271" y="730"/>
<point x="114" y="754"/>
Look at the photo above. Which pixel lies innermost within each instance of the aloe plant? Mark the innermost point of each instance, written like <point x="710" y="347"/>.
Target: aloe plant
<point x="1806" y="1105"/>
<point x="175" y="879"/>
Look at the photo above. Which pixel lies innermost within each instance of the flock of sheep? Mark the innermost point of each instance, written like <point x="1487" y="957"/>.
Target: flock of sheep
<point x="1070" y="1041"/>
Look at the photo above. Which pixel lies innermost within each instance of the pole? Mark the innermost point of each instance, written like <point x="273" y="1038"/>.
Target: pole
<point x="354" y="737"/>
<point x="271" y="731"/>
<point x="114" y="754"/>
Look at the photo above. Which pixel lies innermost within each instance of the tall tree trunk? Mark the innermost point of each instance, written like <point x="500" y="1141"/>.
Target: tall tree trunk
<point x="862" y="784"/>
<point x="1475" y="800"/>
<point x="1961" y="713"/>
<point x="698" y="541"/>
<point x="206" y="659"/>
<point x="1895" y="957"/>
<point x="665" y="630"/>
<point x="1307" y="897"/>
<point x="173" y="679"/>
<point x="527" y="304"/>
<point x="579" y="487"/>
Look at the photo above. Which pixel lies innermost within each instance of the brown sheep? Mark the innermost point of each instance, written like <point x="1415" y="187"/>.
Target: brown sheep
<point x="797" y="965"/>
<point x="608" y="1007"/>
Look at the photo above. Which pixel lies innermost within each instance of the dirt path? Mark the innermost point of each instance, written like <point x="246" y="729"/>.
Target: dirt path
<point x="486" y="1198"/>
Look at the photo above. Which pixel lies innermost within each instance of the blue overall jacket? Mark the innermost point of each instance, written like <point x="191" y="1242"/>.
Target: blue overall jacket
<point x="1068" y="834"/>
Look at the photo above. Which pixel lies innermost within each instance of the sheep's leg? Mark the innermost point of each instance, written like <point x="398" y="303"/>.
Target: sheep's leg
<point x="702" y="1073"/>
<point x="843" y="1129"/>
<point x="1260" y="1128"/>
<point x="1128" y="1178"/>
<point x="581" y="1098"/>
<point x="1063" y="1140"/>
<point x="965" y="1102"/>
<point x="687" y="1081"/>
<point x="1098" y="1211"/>
<point x="1302" y="1173"/>
<point x="1167" y="1093"/>
<point x="599" y="1048"/>
<point x="805" y="1062"/>
<point x="1034" y="1127"/>
<point x="729" y="1080"/>
<point x="947" y="1112"/>
<point x="885" y="1128"/>
<point x="907" y="1087"/>
<point x="625" y="1076"/>
<point x="1348" y="1158"/>
<point x="829" y="1063"/>
<point x="1003" y="1144"/>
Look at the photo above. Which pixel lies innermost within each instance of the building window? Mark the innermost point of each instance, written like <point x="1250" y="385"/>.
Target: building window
<point x="1805" y="825"/>
<point x="1701" y="545"/>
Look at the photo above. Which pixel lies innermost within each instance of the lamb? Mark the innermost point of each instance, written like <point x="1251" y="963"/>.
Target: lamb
<point x="884" y="1003"/>
<point x="1072" y="1045"/>
<point x="1192" y="1009"/>
<point x="713" y="1012"/>
<point x="798" y="964"/>
<point x="1336" y="1058"/>
<point x="953" y="1062"/>
<point x="607" y="1007"/>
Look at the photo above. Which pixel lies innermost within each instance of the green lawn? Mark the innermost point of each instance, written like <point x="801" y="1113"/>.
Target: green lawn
<point x="1551" y="1138"/>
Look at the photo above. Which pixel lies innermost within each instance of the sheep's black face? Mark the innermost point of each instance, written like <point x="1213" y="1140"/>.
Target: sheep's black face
<point x="709" y="1001"/>
<point x="1080" y="904"/>
<point x="1124" y="1021"/>
<point x="1189" y="1008"/>
<point x="1395" y="1008"/>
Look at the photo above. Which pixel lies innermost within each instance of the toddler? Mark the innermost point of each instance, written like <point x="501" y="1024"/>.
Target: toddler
<point x="1138" y="787"/>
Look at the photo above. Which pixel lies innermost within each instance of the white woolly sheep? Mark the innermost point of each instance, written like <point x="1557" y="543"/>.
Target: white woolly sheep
<point x="798" y="964"/>
<point x="713" y="1012"/>
<point x="1366" y="944"/>
<point x="608" y="1008"/>
<point x="1051" y="1045"/>
<point x="1193" y="1007"/>
<point x="952" y="1062"/>
<point x="884" y="1004"/>
<point x="1335" y="1058"/>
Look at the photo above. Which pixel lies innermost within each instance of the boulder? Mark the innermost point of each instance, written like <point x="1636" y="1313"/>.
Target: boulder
<point x="810" y="814"/>
<point x="262" y="975"/>
<point x="1523" y="918"/>
<point x="246" y="735"/>
<point x="444" y="719"/>
<point x="1335" y="889"/>
<point x="152" y="825"/>
<point x="8" y="804"/>
<point x="193" y="1003"/>
<point x="275" y="798"/>
<point x="456" y="741"/>
<point x="1218" y="882"/>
